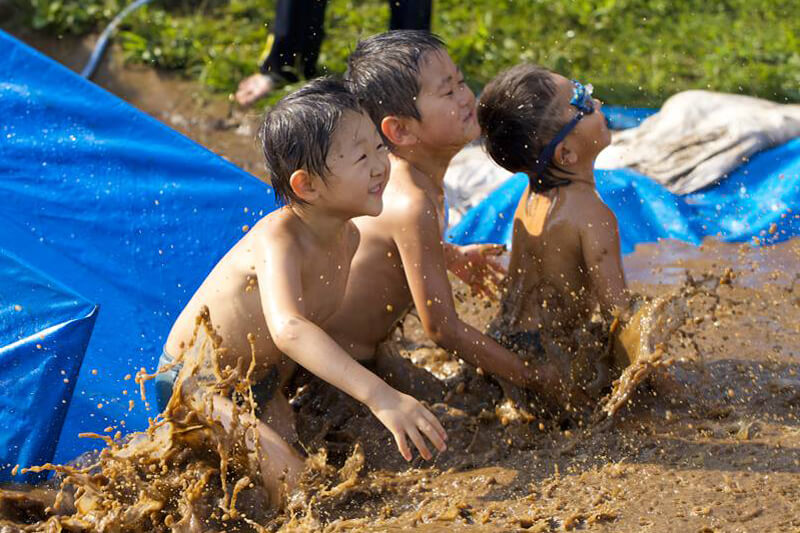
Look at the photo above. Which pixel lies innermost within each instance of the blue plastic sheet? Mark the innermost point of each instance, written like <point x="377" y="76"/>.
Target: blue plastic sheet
<point x="119" y="207"/>
<point x="44" y="330"/>
<point x="745" y="205"/>
<point x="622" y="118"/>
<point x="132" y="215"/>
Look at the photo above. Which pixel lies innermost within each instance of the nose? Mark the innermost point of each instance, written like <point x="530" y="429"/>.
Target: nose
<point x="380" y="163"/>
<point x="467" y="96"/>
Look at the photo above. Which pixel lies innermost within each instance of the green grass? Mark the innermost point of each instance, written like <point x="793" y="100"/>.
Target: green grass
<point x="635" y="52"/>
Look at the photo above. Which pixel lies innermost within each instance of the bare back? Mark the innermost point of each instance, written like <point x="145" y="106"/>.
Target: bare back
<point x="234" y="299"/>
<point x="551" y="282"/>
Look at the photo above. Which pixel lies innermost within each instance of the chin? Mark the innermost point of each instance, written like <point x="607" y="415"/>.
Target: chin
<point x="373" y="211"/>
<point x="474" y="131"/>
<point x="606" y="139"/>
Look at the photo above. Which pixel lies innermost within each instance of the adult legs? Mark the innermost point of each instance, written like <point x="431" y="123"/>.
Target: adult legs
<point x="410" y="14"/>
<point x="296" y="39"/>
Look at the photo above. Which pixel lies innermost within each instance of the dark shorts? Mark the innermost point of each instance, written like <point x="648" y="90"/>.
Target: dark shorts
<point x="263" y="391"/>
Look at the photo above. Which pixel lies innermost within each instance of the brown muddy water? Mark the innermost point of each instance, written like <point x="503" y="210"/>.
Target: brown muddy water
<point x="705" y="436"/>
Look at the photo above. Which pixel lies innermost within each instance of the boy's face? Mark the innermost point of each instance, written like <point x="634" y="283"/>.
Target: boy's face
<point x="358" y="166"/>
<point x="446" y="104"/>
<point x="591" y="134"/>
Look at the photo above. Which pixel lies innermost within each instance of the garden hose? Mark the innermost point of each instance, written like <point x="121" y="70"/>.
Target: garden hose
<point x="102" y="42"/>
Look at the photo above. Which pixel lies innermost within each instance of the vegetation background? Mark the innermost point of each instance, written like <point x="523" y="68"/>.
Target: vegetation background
<point x="635" y="52"/>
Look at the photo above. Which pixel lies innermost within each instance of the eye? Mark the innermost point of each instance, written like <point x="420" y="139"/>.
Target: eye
<point x="380" y="147"/>
<point x="449" y="93"/>
<point x="363" y="157"/>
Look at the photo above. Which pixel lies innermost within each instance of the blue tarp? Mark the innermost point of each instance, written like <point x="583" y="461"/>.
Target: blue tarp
<point x="132" y="215"/>
<point x="119" y="207"/>
<point x="44" y="330"/>
<point x="757" y="195"/>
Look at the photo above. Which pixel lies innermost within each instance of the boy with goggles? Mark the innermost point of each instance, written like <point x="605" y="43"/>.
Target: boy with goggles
<point x="565" y="254"/>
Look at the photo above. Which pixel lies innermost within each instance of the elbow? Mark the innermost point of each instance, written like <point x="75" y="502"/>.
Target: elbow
<point x="286" y="334"/>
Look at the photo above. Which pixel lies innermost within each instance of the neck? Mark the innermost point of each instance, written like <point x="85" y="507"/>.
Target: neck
<point x="325" y="227"/>
<point x="431" y="163"/>
<point x="582" y="172"/>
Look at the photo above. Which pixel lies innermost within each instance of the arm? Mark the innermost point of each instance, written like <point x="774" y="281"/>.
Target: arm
<point x="601" y="255"/>
<point x="424" y="262"/>
<point x="280" y="286"/>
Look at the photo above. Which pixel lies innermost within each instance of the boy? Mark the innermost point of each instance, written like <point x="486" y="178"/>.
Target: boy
<point x="565" y="251"/>
<point x="282" y="281"/>
<point x="425" y="112"/>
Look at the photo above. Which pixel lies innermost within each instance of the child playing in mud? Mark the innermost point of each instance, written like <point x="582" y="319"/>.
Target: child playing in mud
<point x="565" y="251"/>
<point x="425" y="112"/>
<point x="276" y="289"/>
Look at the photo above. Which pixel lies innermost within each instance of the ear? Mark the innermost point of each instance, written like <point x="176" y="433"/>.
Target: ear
<point x="564" y="156"/>
<point x="396" y="130"/>
<point x="304" y="185"/>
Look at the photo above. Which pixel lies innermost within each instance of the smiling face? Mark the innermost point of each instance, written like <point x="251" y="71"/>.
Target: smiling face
<point x="358" y="168"/>
<point x="445" y="103"/>
<point x="591" y="134"/>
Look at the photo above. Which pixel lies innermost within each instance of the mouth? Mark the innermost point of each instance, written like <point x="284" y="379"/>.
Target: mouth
<point x="377" y="188"/>
<point x="469" y="116"/>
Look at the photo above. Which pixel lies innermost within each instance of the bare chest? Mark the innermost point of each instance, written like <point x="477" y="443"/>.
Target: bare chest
<point x="324" y="284"/>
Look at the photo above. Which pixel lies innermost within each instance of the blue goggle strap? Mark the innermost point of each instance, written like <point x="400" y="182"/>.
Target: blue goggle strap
<point x="581" y="100"/>
<point x="547" y="154"/>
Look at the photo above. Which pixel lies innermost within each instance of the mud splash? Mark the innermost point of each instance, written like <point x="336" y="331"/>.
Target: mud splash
<point x="716" y="446"/>
<point x="713" y="446"/>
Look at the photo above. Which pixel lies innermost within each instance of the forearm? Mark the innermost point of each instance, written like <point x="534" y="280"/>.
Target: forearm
<point x="309" y="346"/>
<point x="484" y="352"/>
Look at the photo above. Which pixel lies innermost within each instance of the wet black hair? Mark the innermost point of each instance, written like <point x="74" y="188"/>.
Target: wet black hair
<point x="297" y="132"/>
<point x="518" y="115"/>
<point x="383" y="72"/>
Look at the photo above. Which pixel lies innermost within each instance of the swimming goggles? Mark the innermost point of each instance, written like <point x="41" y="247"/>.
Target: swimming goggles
<point x="582" y="100"/>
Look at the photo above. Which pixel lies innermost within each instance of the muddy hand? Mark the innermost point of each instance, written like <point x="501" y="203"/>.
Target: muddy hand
<point x="480" y="268"/>
<point x="408" y="419"/>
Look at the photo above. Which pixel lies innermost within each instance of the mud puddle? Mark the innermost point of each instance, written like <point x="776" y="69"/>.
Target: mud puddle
<point x="718" y="449"/>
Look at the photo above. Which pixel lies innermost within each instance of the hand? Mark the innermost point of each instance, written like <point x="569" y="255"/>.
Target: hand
<point x="406" y="417"/>
<point x="479" y="266"/>
<point x="253" y="88"/>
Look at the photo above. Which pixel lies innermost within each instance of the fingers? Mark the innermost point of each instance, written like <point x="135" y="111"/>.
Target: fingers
<point x="419" y="442"/>
<point x="402" y="445"/>
<point x="433" y="435"/>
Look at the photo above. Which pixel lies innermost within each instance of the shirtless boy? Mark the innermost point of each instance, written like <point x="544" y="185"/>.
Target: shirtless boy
<point x="284" y="280"/>
<point x="565" y="251"/>
<point x="417" y="97"/>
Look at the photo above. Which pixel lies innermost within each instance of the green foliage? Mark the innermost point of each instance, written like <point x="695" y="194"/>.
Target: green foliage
<point x="635" y="52"/>
<point x="64" y="17"/>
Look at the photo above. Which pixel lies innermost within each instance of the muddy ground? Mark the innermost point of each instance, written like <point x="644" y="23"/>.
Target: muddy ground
<point x="718" y="450"/>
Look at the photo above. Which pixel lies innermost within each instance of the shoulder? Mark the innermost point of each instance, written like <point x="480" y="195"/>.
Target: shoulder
<point x="598" y="214"/>
<point x="277" y="232"/>
<point x="589" y="209"/>
<point x="411" y="204"/>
